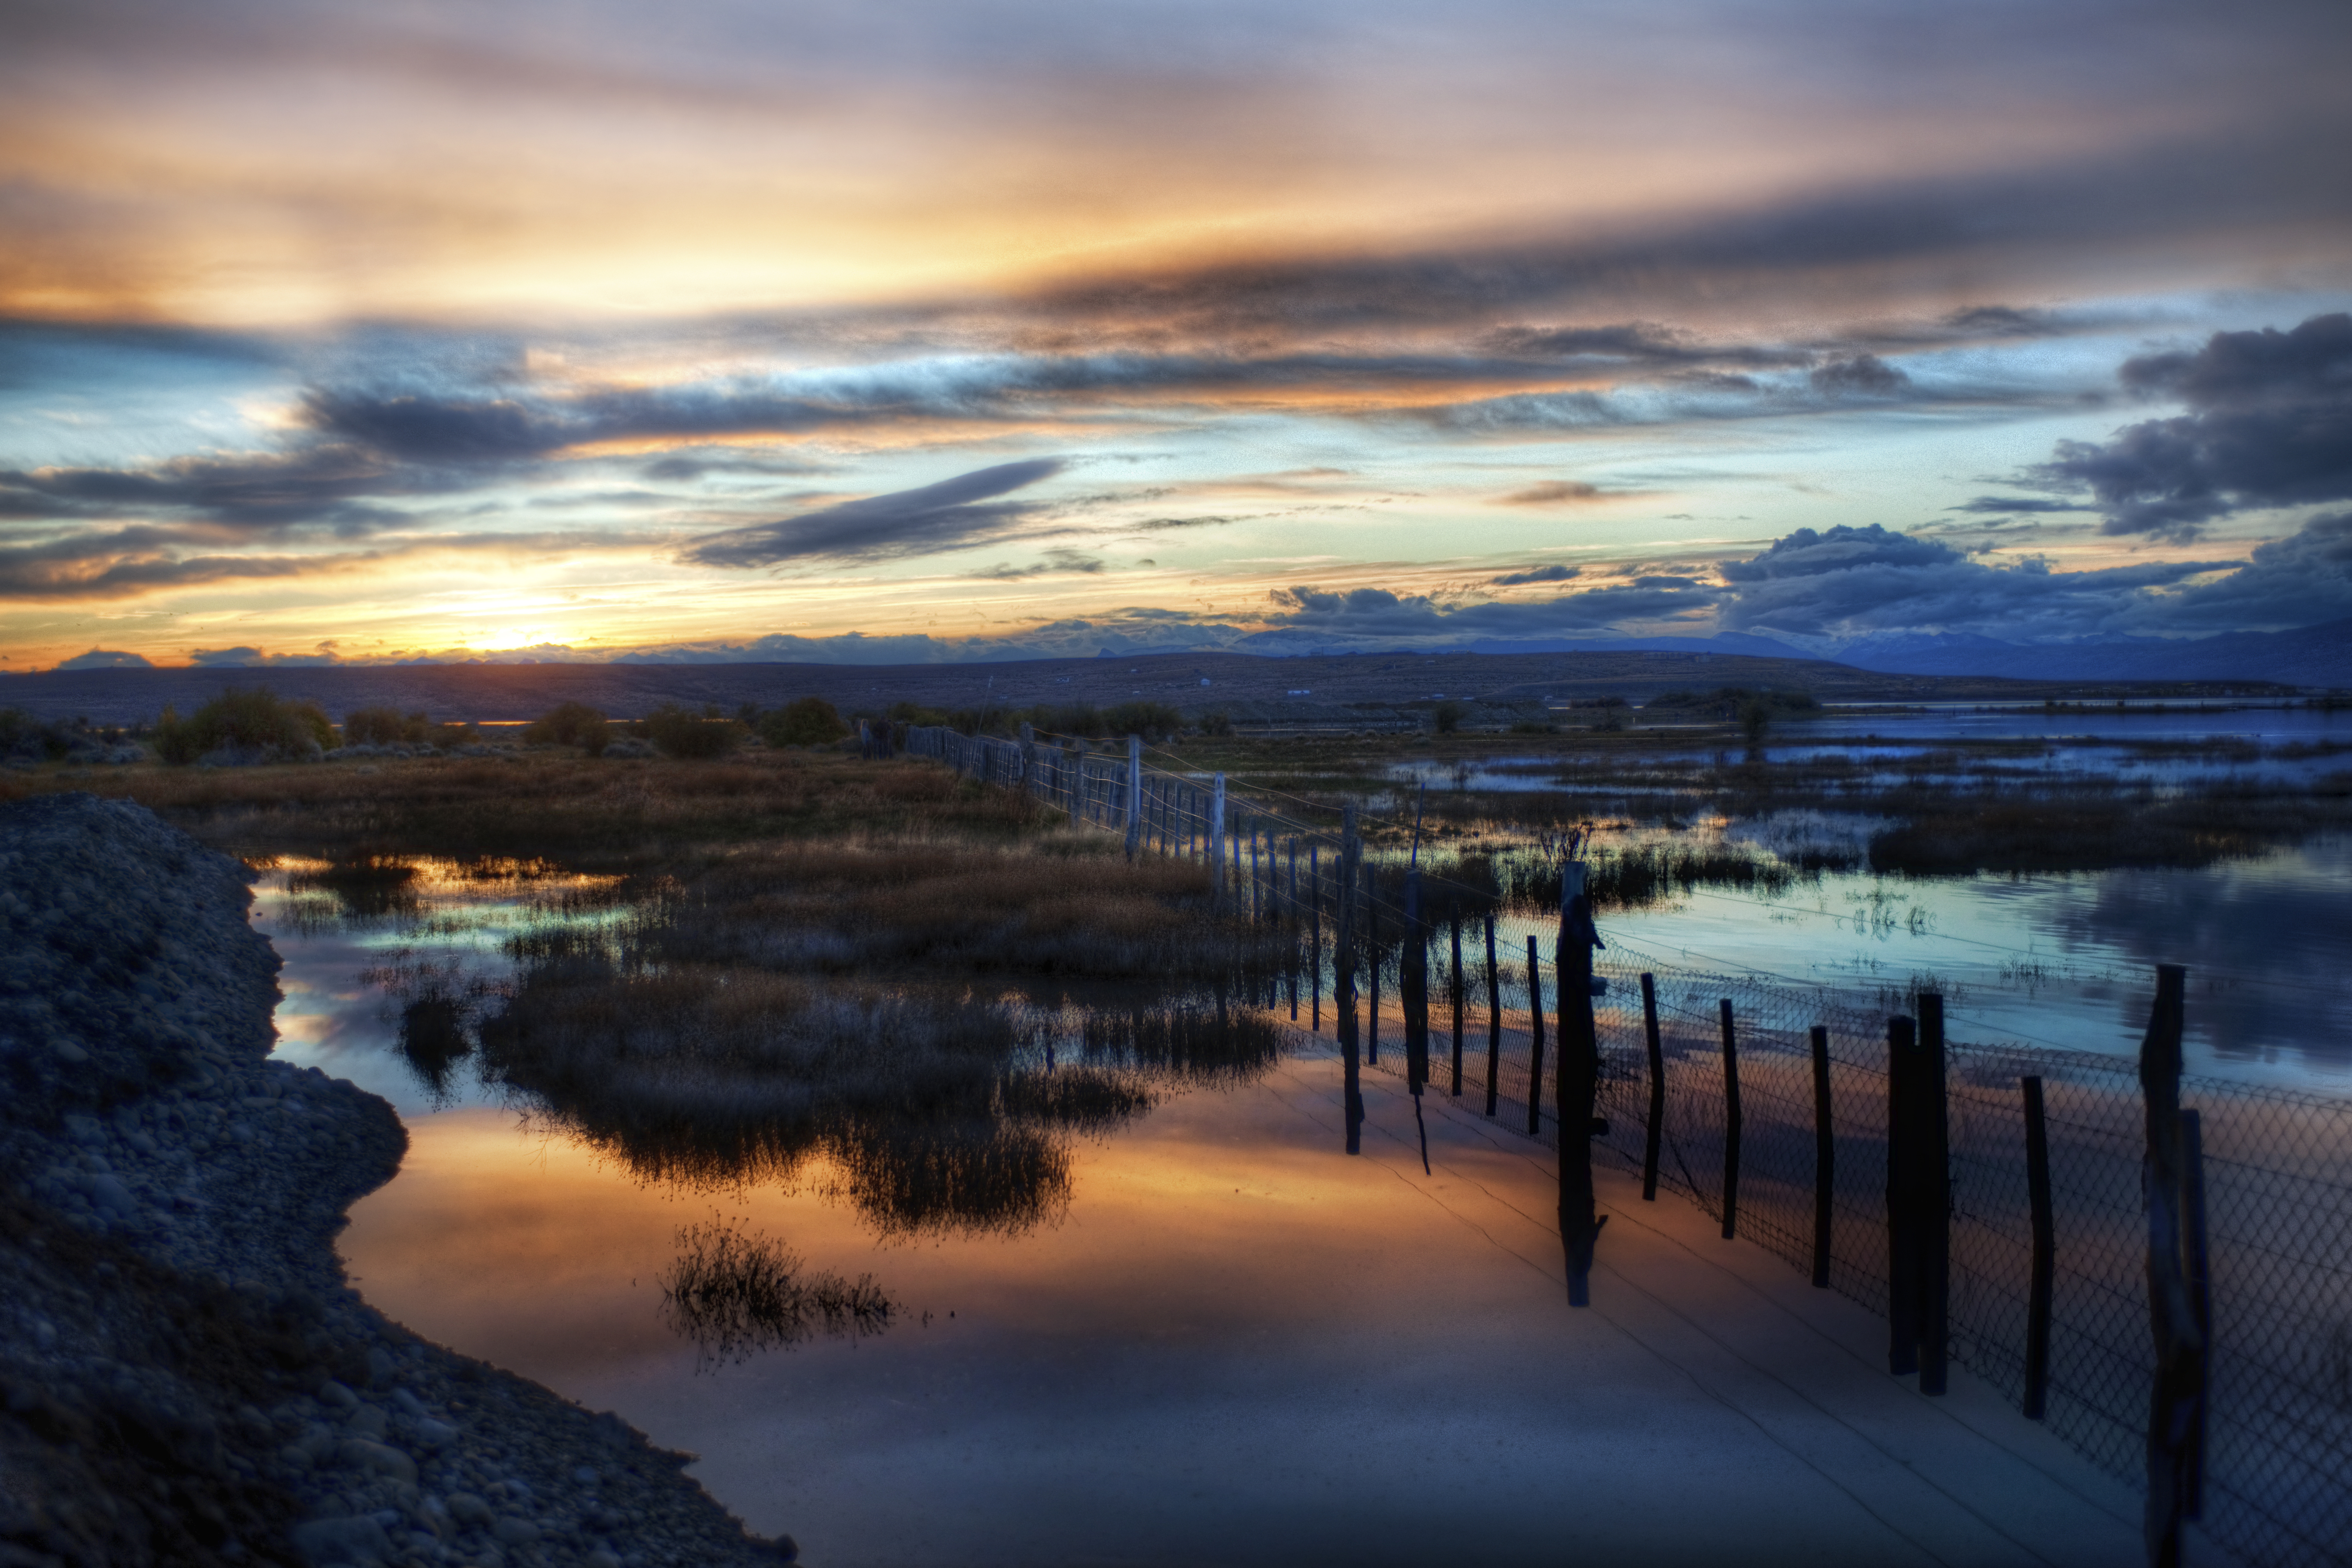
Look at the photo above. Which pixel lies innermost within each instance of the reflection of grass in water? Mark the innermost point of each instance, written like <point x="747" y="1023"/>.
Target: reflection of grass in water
<point x="735" y="1293"/>
<point x="366" y="887"/>
<point x="928" y="1111"/>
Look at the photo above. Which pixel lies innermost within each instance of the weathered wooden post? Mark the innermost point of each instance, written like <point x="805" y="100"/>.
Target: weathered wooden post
<point x="1935" y="1199"/>
<point x="1731" y="1124"/>
<point x="2046" y="1252"/>
<point x="1535" y="1040"/>
<point x="1453" y="925"/>
<point x="1134" y="796"/>
<point x="1655" y="1131"/>
<point x="1494" y="1017"/>
<point x="1579" y="1072"/>
<point x="1824" y="1158"/>
<point x="2173" y="1415"/>
<point x="1217" y="839"/>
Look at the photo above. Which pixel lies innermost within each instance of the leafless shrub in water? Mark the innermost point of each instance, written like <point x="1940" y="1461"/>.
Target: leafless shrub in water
<point x="736" y="1293"/>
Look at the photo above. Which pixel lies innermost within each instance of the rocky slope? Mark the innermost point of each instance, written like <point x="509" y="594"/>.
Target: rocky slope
<point x="185" y="1375"/>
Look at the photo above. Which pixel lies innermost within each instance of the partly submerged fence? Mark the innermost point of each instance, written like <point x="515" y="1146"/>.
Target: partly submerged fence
<point x="1802" y="1121"/>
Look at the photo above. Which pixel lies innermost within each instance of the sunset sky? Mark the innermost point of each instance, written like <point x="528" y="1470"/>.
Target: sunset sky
<point x="990" y="330"/>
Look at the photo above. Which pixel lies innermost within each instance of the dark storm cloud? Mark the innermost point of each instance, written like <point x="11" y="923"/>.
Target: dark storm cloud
<point x="1554" y="573"/>
<point x="1852" y="581"/>
<point x="2303" y="580"/>
<point x="949" y="515"/>
<point x="2271" y="426"/>
<point x="1308" y="616"/>
<point x="1809" y="552"/>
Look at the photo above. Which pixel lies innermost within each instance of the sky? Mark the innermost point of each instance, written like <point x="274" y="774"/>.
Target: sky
<point x="991" y="329"/>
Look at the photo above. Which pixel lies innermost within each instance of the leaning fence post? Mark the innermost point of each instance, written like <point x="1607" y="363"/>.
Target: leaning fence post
<point x="1935" y="1193"/>
<point x="1535" y="1041"/>
<point x="2173" y="1414"/>
<point x="1731" y="1125"/>
<point x="1657" y="1130"/>
<point x="2046" y="1252"/>
<point x="1824" y="1158"/>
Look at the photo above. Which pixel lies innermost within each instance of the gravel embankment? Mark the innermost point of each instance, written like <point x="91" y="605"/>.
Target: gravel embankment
<point x="185" y="1375"/>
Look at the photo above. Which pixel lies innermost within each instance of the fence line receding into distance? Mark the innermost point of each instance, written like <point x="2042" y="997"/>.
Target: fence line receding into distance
<point x="1990" y="1199"/>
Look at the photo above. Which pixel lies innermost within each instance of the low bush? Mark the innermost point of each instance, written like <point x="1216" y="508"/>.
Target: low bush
<point x="690" y="736"/>
<point x="255" y="722"/>
<point x="23" y="737"/>
<point x="571" y="725"/>
<point x="1447" y="716"/>
<point x="811" y="722"/>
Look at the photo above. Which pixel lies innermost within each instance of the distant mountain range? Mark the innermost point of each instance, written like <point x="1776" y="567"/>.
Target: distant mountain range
<point x="2310" y="655"/>
<point x="1385" y="689"/>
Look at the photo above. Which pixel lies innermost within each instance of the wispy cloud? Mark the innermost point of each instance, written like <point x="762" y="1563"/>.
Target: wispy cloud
<point x="953" y="514"/>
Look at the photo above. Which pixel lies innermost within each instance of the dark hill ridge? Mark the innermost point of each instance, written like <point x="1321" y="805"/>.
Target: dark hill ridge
<point x="1314" y="690"/>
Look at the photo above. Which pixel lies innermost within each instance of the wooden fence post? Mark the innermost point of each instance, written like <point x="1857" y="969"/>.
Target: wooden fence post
<point x="1494" y="1017"/>
<point x="1902" y="1201"/>
<point x="1535" y="1040"/>
<point x="2046" y="1252"/>
<point x="1453" y="924"/>
<point x="1579" y="1084"/>
<point x="1657" y="1130"/>
<point x="1134" y="794"/>
<point x="2173" y="1414"/>
<point x="1343" y="974"/>
<point x="1731" y="1125"/>
<point x="1217" y="839"/>
<point x="1824" y="1158"/>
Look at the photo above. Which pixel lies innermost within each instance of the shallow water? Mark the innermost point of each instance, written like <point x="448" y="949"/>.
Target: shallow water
<point x="1229" y="1340"/>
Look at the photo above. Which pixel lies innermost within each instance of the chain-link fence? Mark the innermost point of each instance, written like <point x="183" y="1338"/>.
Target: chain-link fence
<point x="2277" y="1164"/>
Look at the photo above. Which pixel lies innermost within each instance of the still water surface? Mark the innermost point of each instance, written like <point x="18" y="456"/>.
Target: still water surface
<point x="1232" y="1343"/>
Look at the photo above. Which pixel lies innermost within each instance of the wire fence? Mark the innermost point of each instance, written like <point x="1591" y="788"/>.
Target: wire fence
<point x="2277" y="1164"/>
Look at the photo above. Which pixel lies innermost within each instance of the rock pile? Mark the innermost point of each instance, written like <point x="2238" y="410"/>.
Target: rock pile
<point x="185" y="1375"/>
